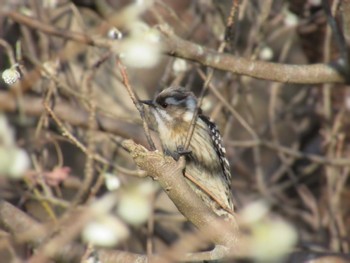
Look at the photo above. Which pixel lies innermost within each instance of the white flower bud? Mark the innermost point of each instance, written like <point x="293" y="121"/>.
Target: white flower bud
<point x="139" y="53"/>
<point x="266" y="53"/>
<point x="179" y="66"/>
<point x="291" y="19"/>
<point x="135" y="204"/>
<point x="11" y="76"/>
<point x="106" y="231"/>
<point x="112" y="181"/>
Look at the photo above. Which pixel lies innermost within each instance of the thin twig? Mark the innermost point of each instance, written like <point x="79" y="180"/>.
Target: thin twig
<point x="297" y="154"/>
<point x="339" y="37"/>
<point x="208" y="192"/>
<point x="9" y="51"/>
<point x="232" y="25"/>
<point x="89" y="163"/>
<point x="81" y="146"/>
<point x="139" y="106"/>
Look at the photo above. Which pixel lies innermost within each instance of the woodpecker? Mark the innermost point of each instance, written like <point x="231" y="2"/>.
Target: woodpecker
<point x="206" y="163"/>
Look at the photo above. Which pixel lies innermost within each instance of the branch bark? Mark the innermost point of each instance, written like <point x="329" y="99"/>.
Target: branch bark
<point x="175" y="46"/>
<point x="18" y="223"/>
<point x="297" y="74"/>
<point x="169" y="174"/>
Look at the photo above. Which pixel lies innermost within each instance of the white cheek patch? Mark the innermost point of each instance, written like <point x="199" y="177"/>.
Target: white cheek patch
<point x="188" y="116"/>
<point x="163" y="115"/>
<point x="161" y="118"/>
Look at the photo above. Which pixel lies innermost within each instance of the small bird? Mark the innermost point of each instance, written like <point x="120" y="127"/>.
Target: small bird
<point x="206" y="163"/>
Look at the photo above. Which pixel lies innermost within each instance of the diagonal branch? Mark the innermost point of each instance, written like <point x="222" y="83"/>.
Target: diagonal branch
<point x="169" y="174"/>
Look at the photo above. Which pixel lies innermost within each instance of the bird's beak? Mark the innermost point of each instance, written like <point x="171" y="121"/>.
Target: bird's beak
<point x="148" y="102"/>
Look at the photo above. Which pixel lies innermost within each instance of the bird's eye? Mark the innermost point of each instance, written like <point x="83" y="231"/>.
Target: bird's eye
<point x="164" y="105"/>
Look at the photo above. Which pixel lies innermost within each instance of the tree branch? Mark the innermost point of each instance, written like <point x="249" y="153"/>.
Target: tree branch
<point x="169" y="174"/>
<point x="17" y="223"/>
<point x="298" y="74"/>
<point x="175" y="46"/>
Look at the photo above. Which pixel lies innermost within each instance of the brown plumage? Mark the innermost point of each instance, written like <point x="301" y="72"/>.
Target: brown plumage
<point x="206" y="163"/>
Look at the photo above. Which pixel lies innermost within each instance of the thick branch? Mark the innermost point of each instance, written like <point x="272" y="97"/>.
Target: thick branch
<point x="298" y="74"/>
<point x="169" y="174"/>
<point x="17" y="222"/>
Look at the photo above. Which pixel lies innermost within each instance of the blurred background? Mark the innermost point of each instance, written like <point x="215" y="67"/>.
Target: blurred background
<point x="64" y="111"/>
